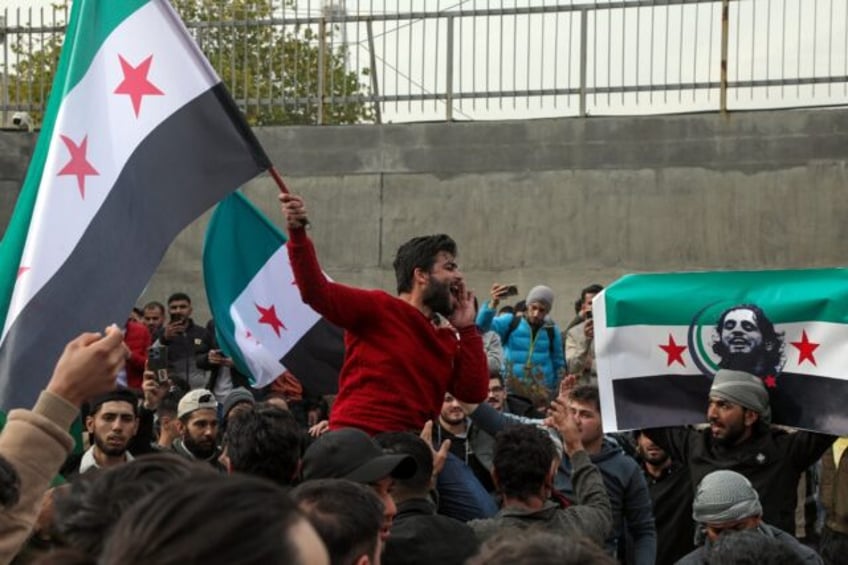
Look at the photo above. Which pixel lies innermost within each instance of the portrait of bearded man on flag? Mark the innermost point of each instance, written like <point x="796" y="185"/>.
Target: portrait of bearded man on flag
<point x="746" y="340"/>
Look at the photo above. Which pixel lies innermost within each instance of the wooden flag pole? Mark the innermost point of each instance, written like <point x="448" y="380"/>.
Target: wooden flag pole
<point x="275" y="174"/>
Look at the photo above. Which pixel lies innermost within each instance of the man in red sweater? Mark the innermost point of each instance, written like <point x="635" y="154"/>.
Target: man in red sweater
<point x="401" y="353"/>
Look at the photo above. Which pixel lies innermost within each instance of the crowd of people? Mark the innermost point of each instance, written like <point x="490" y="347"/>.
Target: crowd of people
<point x="460" y="433"/>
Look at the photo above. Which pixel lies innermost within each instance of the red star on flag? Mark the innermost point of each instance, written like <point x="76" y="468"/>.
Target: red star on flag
<point x="269" y="316"/>
<point x="770" y="381"/>
<point x="805" y="348"/>
<point x="78" y="166"/>
<point x="673" y="351"/>
<point x="135" y="83"/>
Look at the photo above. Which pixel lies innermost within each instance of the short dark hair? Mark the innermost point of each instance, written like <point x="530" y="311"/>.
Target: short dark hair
<point x="586" y="394"/>
<point x="179" y="296"/>
<point x="539" y="548"/>
<point x="591" y="289"/>
<point x="265" y="441"/>
<point x="348" y="516"/>
<point x="118" y="395"/>
<point x="208" y="518"/>
<point x="169" y="405"/>
<point x="407" y="443"/>
<point x="522" y="460"/>
<point x="419" y="253"/>
<point x="96" y="500"/>
<point x="154" y="304"/>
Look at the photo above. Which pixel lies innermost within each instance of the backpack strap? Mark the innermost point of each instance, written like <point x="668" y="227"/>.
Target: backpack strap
<point x="550" y="339"/>
<point x="513" y="323"/>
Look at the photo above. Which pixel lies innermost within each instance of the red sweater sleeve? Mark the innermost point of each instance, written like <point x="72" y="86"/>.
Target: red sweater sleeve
<point x="137" y="338"/>
<point x="342" y="305"/>
<point x="471" y="372"/>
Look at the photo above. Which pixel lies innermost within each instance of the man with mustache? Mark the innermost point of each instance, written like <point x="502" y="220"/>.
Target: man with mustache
<point x="739" y="438"/>
<point x="402" y="353"/>
<point x="111" y="423"/>
<point x="746" y="340"/>
<point x="198" y="416"/>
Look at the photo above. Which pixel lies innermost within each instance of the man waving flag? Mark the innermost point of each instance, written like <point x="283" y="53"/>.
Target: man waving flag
<point x="140" y="137"/>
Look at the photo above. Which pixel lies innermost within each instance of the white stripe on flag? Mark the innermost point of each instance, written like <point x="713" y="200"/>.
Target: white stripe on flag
<point x="272" y="286"/>
<point x="91" y="110"/>
<point x="634" y="351"/>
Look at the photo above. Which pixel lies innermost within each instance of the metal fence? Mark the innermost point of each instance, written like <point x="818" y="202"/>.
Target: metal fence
<point x="413" y="60"/>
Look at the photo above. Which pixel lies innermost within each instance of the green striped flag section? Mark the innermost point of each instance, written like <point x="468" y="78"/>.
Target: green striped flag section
<point x="260" y="320"/>
<point x="660" y="338"/>
<point x="139" y="138"/>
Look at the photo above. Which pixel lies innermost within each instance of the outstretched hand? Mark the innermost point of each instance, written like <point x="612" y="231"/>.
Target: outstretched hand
<point x="562" y="419"/>
<point x="566" y="385"/>
<point x="440" y="456"/>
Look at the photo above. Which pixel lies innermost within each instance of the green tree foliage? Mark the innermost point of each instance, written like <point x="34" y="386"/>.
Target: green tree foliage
<point x="272" y="72"/>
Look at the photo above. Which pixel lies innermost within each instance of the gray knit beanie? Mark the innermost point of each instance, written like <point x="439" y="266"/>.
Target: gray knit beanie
<point x="238" y="395"/>
<point x="743" y="389"/>
<point x="725" y="496"/>
<point x="542" y="294"/>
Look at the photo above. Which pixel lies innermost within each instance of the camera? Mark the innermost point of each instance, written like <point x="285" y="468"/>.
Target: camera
<point x="22" y="121"/>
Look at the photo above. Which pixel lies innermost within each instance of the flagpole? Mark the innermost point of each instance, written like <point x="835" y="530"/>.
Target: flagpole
<point x="275" y="174"/>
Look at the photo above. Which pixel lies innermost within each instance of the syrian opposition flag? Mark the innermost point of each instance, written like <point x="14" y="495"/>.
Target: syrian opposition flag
<point x="660" y="338"/>
<point x="260" y="320"/>
<point x="139" y="138"/>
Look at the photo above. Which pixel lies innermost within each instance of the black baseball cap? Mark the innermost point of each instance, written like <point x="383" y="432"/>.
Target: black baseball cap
<point x="349" y="453"/>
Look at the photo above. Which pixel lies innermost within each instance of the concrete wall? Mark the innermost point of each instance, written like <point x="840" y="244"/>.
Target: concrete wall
<point x="563" y="202"/>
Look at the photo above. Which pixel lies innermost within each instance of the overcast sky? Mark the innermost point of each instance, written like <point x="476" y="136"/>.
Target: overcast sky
<point x="768" y="39"/>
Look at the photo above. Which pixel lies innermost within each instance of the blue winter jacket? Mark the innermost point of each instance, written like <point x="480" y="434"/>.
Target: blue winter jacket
<point x="522" y="346"/>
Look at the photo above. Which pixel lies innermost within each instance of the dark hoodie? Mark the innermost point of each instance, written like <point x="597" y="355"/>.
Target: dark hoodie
<point x="629" y="497"/>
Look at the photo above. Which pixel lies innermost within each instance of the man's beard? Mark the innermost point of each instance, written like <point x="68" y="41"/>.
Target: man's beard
<point x="655" y="460"/>
<point x="109" y="450"/>
<point x="732" y="434"/>
<point x="201" y="450"/>
<point x="748" y="362"/>
<point x="437" y="297"/>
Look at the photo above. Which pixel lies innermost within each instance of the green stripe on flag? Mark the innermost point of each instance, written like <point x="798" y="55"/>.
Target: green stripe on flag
<point x="77" y="54"/>
<point x="234" y="221"/>
<point x="674" y="299"/>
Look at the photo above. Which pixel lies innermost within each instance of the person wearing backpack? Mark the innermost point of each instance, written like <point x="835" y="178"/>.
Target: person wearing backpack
<point x="532" y="342"/>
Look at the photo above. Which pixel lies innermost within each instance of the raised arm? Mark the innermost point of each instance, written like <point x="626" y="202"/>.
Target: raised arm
<point x="36" y="441"/>
<point x="343" y="305"/>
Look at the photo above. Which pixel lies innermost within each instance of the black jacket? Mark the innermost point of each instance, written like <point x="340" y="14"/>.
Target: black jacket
<point x="772" y="460"/>
<point x="420" y="536"/>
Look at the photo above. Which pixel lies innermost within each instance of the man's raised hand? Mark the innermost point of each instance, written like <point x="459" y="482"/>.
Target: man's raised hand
<point x="88" y="365"/>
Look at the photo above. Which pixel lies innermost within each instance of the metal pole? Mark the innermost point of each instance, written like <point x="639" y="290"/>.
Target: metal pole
<point x="449" y="77"/>
<point x="322" y="46"/>
<point x="584" y="32"/>
<point x="725" y="33"/>
<point x="375" y="85"/>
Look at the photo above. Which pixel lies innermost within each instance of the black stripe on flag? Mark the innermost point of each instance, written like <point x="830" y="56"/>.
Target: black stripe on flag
<point x="317" y="358"/>
<point x="186" y="164"/>
<point x="802" y="401"/>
